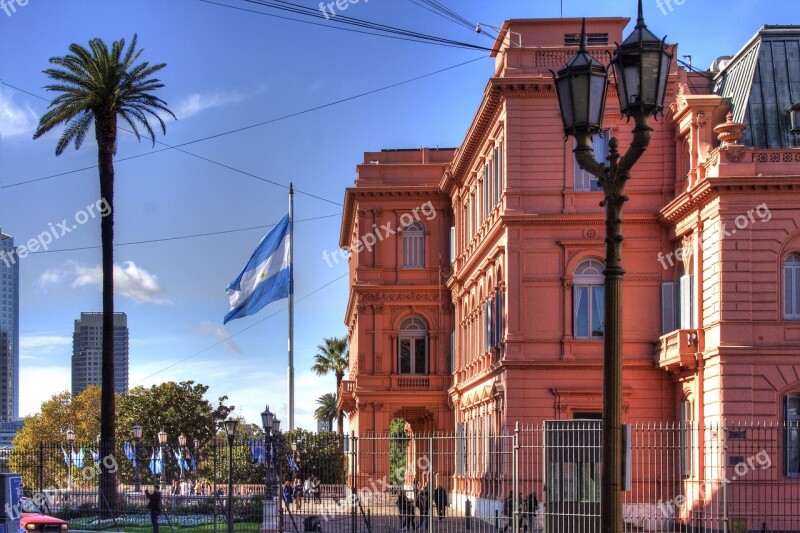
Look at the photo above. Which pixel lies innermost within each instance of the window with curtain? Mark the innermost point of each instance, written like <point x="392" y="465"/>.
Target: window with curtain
<point x="792" y="436"/>
<point x="791" y="287"/>
<point x="412" y="349"/>
<point x="488" y="326"/>
<point x="587" y="295"/>
<point x="498" y="317"/>
<point x="414" y="245"/>
<point x="585" y="181"/>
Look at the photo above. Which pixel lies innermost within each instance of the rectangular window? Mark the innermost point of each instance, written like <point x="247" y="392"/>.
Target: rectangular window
<point x="588" y="311"/>
<point x="670" y="307"/>
<point x="791" y="288"/>
<point x="687" y="298"/>
<point x="487" y="176"/>
<point x="497" y="171"/>
<point x="585" y="181"/>
<point x="792" y="437"/>
<point x="452" y="244"/>
<point x="419" y="356"/>
<point x="404" y="360"/>
<point x="487" y="322"/>
<point x="461" y="450"/>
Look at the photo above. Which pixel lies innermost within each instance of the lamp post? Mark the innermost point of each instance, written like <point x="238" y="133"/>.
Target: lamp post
<point x="162" y="441"/>
<point x="181" y="448"/>
<point x="271" y="427"/>
<point x="71" y="442"/>
<point x="137" y="436"/>
<point x="230" y="429"/>
<point x="641" y="66"/>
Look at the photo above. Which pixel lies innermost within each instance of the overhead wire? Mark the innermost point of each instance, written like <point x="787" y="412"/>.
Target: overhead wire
<point x="180" y="237"/>
<point x="228" y="338"/>
<point x="237" y="130"/>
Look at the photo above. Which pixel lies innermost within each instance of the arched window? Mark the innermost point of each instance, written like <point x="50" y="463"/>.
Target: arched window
<point x="414" y="245"/>
<point x="412" y="349"/>
<point x="587" y="300"/>
<point x="791" y="287"/>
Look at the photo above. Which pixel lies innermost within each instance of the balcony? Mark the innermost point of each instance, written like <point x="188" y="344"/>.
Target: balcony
<point x="411" y="382"/>
<point x="677" y="351"/>
<point x="347" y="400"/>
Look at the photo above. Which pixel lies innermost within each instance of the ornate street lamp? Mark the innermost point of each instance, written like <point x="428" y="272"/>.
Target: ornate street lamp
<point x="641" y="65"/>
<point x="271" y="521"/>
<point x="71" y="441"/>
<point x="230" y="429"/>
<point x="794" y="118"/>
<point x="137" y="436"/>
<point x="162" y="441"/>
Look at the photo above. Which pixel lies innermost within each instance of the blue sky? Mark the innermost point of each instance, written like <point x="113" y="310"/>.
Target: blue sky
<point x="227" y="69"/>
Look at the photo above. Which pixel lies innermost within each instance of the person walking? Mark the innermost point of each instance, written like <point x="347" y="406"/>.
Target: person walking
<point x="287" y="494"/>
<point x="440" y="499"/>
<point x="405" y="508"/>
<point x="298" y="494"/>
<point x="154" y="504"/>
<point x="423" y="503"/>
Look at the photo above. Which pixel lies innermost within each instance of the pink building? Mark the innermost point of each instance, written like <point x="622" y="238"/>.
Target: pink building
<point x="486" y="310"/>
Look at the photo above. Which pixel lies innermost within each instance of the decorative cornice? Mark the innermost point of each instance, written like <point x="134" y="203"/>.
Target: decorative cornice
<point x="631" y="219"/>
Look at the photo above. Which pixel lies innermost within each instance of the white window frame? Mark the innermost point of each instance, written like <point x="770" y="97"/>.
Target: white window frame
<point x="414" y="245"/>
<point x="411" y="330"/>
<point x="583" y="180"/>
<point x="588" y="275"/>
<point x="791" y="421"/>
<point x="791" y="287"/>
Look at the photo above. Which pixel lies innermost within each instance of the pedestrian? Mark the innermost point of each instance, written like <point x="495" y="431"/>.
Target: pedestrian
<point x="508" y="511"/>
<point x="287" y="493"/>
<point x="298" y="493"/>
<point x="440" y="499"/>
<point x="405" y="509"/>
<point x="317" y="484"/>
<point x="154" y="504"/>
<point x="423" y="503"/>
<point x="531" y="508"/>
<point x="176" y="487"/>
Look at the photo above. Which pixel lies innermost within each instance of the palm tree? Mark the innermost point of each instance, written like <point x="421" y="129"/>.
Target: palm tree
<point x="98" y="86"/>
<point x="327" y="407"/>
<point x="332" y="357"/>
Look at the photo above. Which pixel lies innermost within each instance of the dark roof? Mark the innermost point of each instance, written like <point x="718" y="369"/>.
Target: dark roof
<point x="763" y="81"/>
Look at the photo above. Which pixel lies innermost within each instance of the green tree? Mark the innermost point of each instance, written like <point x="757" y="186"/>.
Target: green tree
<point x="398" y="446"/>
<point x="175" y="408"/>
<point x="37" y="454"/>
<point x="332" y="357"/>
<point x="315" y="454"/>
<point x="99" y="86"/>
<point x="327" y="409"/>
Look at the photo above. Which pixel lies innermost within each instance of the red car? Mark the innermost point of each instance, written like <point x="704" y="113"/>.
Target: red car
<point x="33" y="519"/>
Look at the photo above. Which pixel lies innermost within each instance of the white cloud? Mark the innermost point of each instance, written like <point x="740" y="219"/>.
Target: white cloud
<point x="42" y="346"/>
<point x="42" y="383"/>
<point x="196" y="103"/>
<point x="15" y="119"/>
<point x="130" y="280"/>
<point x="217" y="330"/>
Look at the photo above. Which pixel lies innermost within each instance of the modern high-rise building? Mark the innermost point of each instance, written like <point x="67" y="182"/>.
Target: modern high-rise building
<point x="87" y="352"/>
<point x="9" y="330"/>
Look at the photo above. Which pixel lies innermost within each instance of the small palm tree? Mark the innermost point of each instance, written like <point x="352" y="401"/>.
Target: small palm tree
<point x="327" y="409"/>
<point x="332" y="357"/>
<point x="97" y="87"/>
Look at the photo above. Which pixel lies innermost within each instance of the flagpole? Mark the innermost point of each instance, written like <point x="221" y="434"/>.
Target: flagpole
<point x="291" y="307"/>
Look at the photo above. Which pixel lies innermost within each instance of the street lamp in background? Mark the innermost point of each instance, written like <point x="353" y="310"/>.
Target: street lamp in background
<point x="271" y="427"/>
<point x="230" y="429"/>
<point x="641" y="67"/>
<point x="71" y="442"/>
<point x="162" y="441"/>
<point x="181" y="449"/>
<point x="137" y="436"/>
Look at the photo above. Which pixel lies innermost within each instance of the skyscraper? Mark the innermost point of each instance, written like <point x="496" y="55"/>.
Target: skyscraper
<point x="9" y="330"/>
<point x="87" y="352"/>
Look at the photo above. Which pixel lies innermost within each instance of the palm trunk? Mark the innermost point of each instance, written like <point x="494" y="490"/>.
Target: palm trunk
<point x="339" y="413"/>
<point x="105" y="132"/>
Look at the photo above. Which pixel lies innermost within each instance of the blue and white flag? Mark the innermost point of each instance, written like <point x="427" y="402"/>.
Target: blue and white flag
<point x="292" y="462"/>
<point x="77" y="458"/>
<point x="67" y="459"/>
<point x="257" y="451"/>
<point x="156" y="462"/>
<point x="266" y="276"/>
<point x="95" y="455"/>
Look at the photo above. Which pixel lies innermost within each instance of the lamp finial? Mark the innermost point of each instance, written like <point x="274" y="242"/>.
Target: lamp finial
<point x="583" y="35"/>
<point x="640" y="21"/>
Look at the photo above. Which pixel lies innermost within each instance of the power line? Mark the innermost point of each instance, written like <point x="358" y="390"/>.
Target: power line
<point x="181" y="237"/>
<point x="237" y="130"/>
<point x="226" y="339"/>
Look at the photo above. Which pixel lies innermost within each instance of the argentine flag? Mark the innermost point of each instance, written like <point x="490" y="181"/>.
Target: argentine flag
<point x="266" y="276"/>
